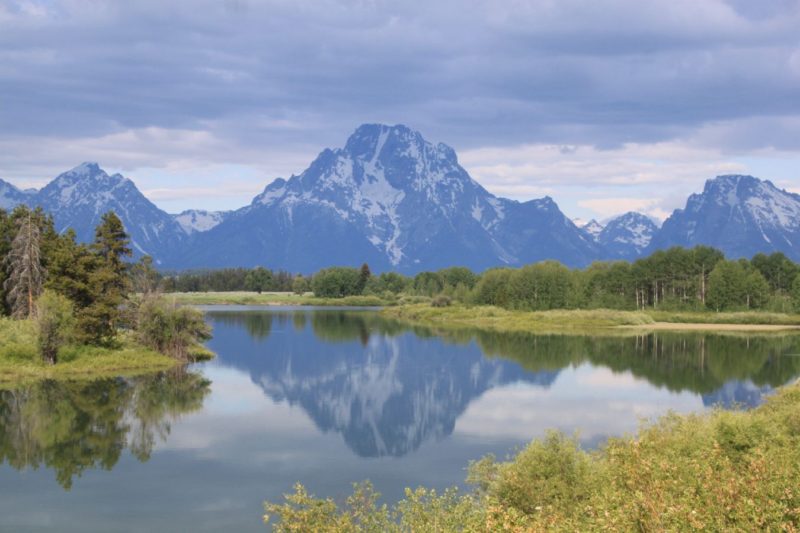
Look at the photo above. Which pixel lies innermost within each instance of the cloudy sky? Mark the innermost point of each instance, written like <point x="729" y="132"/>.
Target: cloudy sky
<point x="605" y="105"/>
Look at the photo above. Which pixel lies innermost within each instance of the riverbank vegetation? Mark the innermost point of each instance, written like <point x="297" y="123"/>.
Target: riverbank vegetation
<point x="678" y="280"/>
<point x="70" y="307"/>
<point x="720" y="471"/>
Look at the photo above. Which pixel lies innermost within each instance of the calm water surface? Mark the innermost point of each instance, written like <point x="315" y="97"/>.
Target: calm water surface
<point x="327" y="397"/>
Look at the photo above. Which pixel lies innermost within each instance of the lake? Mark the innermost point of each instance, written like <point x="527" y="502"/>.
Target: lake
<point x="328" y="397"/>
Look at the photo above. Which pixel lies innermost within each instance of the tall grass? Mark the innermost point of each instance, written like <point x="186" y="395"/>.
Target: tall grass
<point x="20" y="359"/>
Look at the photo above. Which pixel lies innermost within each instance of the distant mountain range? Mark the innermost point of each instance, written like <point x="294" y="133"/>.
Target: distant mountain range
<point x="398" y="202"/>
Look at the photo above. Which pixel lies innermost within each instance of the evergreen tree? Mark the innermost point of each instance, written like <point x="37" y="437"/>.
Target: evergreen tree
<point x="26" y="273"/>
<point x="363" y="277"/>
<point x="108" y="282"/>
<point x="144" y="277"/>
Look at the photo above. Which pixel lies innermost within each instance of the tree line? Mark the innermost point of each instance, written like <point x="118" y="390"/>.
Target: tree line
<point x="700" y="278"/>
<point x="80" y="293"/>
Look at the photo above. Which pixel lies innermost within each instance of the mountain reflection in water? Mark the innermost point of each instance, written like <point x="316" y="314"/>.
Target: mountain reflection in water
<point x="387" y="387"/>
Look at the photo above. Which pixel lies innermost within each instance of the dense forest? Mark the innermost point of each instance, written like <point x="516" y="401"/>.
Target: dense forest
<point x="700" y="278"/>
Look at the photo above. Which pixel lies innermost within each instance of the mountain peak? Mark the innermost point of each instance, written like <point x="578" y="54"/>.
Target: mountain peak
<point x="738" y="214"/>
<point x="625" y="236"/>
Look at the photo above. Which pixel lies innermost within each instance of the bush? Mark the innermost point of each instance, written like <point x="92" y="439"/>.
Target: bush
<point x="336" y="282"/>
<point x="169" y="328"/>
<point x="442" y="300"/>
<point x="55" y="323"/>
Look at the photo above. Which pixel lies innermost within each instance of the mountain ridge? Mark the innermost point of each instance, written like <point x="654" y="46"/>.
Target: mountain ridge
<point x="390" y="198"/>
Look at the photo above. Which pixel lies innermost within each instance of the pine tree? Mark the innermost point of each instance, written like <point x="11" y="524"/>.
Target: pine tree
<point x="24" y="267"/>
<point x="109" y="283"/>
<point x="363" y="277"/>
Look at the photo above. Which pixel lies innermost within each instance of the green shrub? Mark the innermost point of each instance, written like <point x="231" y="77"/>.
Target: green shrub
<point x="169" y="328"/>
<point x="55" y="323"/>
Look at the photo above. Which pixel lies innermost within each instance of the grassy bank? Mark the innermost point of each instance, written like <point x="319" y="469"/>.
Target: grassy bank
<point x="498" y="319"/>
<point x="273" y="298"/>
<point x="719" y="471"/>
<point x="20" y="360"/>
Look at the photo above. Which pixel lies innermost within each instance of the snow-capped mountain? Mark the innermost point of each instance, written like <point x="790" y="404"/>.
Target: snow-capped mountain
<point x="396" y="201"/>
<point x="739" y="215"/>
<point x="626" y="236"/>
<point x="11" y="196"/>
<point x="593" y="227"/>
<point x="78" y="198"/>
<point x="198" y="220"/>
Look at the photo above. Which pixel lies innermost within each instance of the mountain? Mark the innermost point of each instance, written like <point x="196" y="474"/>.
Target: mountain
<point x="396" y="201"/>
<point x="10" y="196"/>
<point x="593" y="228"/>
<point x="626" y="236"/>
<point x="198" y="220"/>
<point x="78" y="198"/>
<point x="739" y="215"/>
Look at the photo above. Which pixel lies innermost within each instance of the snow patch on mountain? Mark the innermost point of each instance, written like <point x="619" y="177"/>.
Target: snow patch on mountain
<point x="593" y="227"/>
<point x="198" y="220"/>
<point x="626" y="236"/>
<point x="740" y="215"/>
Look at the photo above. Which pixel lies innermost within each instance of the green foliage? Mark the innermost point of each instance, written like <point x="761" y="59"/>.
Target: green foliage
<point x="721" y="471"/>
<point x="145" y="279"/>
<point x="364" y="276"/>
<point x="423" y="511"/>
<point x="259" y="279"/>
<point x="170" y="329"/>
<point x="796" y="293"/>
<point x="736" y="285"/>
<point x="108" y="283"/>
<point x="494" y="288"/>
<point x="551" y="473"/>
<point x="55" y="322"/>
<point x="300" y="285"/>
<point x="336" y="282"/>
<point x="225" y="280"/>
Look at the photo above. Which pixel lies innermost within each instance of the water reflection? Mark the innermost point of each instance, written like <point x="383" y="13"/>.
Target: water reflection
<point x="384" y="389"/>
<point x="72" y="426"/>
<point x="387" y="388"/>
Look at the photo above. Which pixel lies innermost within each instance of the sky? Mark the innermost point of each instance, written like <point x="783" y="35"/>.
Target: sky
<point x="604" y="105"/>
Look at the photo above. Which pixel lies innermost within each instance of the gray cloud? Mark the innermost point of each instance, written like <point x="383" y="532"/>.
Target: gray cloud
<point x="265" y="77"/>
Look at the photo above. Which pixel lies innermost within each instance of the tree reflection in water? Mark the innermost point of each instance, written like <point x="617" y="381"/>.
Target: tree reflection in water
<point x="73" y="426"/>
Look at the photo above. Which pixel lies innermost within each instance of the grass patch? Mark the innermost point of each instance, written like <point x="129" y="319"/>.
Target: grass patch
<point x="709" y="317"/>
<point x="20" y="360"/>
<point x="274" y="298"/>
<point x="570" y="320"/>
<point x="498" y="319"/>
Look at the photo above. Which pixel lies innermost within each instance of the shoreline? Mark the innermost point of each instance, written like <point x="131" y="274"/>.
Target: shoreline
<point x="711" y="327"/>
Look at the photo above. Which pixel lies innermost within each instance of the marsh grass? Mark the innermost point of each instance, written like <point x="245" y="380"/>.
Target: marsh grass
<point x="20" y="360"/>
